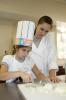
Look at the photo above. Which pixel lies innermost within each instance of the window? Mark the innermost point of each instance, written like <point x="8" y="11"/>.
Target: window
<point x="61" y="39"/>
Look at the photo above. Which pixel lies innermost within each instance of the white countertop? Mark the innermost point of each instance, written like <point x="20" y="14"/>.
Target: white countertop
<point x="48" y="92"/>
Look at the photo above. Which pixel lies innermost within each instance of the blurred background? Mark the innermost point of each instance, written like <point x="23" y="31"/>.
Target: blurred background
<point x="11" y="11"/>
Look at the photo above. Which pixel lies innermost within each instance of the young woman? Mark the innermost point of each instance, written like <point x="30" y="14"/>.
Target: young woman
<point x="43" y="51"/>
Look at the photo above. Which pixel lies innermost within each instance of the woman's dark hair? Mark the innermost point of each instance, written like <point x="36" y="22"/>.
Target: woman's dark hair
<point x="46" y="19"/>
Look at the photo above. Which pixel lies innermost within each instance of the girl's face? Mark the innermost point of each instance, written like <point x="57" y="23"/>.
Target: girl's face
<point x="42" y="30"/>
<point x="23" y="52"/>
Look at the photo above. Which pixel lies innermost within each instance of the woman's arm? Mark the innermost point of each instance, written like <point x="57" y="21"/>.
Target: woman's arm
<point x="39" y="75"/>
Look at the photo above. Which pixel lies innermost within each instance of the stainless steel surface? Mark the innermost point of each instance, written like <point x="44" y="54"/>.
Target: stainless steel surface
<point x="10" y="92"/>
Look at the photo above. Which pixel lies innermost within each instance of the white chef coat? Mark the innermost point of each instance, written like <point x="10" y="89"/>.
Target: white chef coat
<point x="44" y="55"/>
<point x="15" y="65"/>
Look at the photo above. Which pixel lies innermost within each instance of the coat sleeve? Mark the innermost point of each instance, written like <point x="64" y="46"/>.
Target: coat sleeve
<point x="52" y="55"/>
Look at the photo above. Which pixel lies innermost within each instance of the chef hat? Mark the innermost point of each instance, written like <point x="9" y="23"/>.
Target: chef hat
<point x="25" y="33"/>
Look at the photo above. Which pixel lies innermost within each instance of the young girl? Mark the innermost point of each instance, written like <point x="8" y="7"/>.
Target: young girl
<point x="14" y="66"/>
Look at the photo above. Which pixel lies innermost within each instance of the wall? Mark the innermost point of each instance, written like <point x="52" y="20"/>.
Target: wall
<point x="32" y="9"/>
<point x="7" y="34"/>
<point x="13" y="10"/>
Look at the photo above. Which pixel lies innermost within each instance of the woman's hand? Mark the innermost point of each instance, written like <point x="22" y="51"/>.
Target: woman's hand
<point x="52" y="76"/>
<point x="54" y="79"/>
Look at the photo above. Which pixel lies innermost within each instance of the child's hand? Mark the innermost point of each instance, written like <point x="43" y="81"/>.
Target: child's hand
<point x="27" y="78"/>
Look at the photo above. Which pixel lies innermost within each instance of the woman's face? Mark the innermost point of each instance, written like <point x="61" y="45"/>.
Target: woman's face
<point x="42" y="30"/>
<point x="23" y="52"/>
